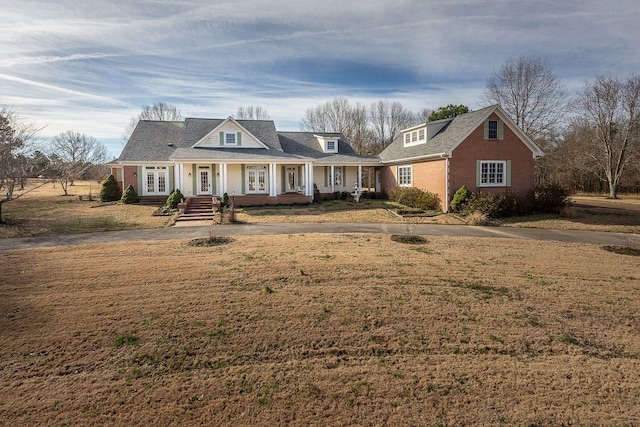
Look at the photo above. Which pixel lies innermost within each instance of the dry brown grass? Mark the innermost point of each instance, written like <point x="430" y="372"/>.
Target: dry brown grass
<point x="44" y="210"/>
<point x="320" y="330"/>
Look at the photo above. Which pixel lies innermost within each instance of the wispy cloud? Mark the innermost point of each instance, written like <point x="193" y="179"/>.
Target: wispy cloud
<point x="90" y="65"/>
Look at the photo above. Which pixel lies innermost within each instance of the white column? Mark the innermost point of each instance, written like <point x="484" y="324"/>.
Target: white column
<point x="272" y="180"/>
<point x="223" y="178"/>
<point x="359" y="177"/>
<point x="333" y="178"/>
<point x="309" y="183"/>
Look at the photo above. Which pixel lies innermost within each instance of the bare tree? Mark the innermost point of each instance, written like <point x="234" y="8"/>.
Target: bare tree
<point x="529" y="91"/>
<point x="340" y="116"/>
<point x="422" y="116"/>
<point x="387" y="120"/>
<point x="157" y="111"/>
<point x="608" y="121"/>
<point x="16" y="138"/>
<point x="73" y="155"/>
<point x="252" y="113"/>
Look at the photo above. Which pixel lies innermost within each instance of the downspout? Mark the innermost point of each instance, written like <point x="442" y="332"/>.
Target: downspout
<point x="446" y="202"/>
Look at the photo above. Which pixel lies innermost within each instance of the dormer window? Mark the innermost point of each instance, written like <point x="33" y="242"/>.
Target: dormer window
<point x="331" y="146"/>
<point x="415" y="136"/>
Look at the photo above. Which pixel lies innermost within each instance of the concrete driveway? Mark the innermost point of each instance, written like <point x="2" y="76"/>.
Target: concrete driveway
<point x="191" y="232"/>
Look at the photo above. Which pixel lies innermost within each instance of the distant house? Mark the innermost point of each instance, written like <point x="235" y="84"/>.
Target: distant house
<point x="483" y="150"/>
<point x="248" y="159"/>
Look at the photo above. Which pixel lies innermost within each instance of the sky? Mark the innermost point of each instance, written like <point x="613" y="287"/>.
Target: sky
<point x="89" y="66"/>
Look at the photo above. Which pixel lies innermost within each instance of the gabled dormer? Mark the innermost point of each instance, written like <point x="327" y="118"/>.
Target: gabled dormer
<point x="422" y="133"/>
<point x="328" y="143"/>
<point x="229" y="134"/>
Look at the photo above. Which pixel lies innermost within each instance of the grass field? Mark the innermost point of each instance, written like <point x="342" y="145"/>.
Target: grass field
<point x="45" y="211"/>
<point x="320" y="330"/>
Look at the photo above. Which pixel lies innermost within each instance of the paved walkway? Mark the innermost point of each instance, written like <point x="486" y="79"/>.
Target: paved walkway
<point x="191" y="232"/>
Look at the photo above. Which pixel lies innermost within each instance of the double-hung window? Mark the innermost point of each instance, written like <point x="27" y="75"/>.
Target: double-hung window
<point x="230" y="138"/>
<point x="492" y="129"/>
<point x="405" y="178"/>
<point x="493" y="174"/>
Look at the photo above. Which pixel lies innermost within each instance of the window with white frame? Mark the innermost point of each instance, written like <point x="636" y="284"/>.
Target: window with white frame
<point x="405" y="178"/>
<point x="331" y="146"/>
<point x="414" y="136"/>
<point x="493" y="174"/>
<point x="156" y="180"/>
<point x="421" y="135"/>
<point x="230" y="138"/>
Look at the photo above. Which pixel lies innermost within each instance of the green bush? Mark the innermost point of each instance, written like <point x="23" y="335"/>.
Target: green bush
<point x="110" y="191"/>
<point x="550" y="197"/>
<point x="461" y="197"/>
<point x="224" y="202"/>
<point x="129" y="196"/>
<point x="174" y="198"/>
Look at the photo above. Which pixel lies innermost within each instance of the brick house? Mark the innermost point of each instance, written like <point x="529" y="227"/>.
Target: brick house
<point x="483" y="150"/>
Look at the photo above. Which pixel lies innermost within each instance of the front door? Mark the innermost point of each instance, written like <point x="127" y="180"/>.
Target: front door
<point x="204" y="180"/>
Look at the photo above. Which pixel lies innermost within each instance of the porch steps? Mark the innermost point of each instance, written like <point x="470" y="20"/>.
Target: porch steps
<point x="198" y="208"/>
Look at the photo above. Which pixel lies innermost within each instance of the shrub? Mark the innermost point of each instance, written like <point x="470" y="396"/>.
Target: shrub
<point x="174" y="198"/>
<point x="405" y="195"/>
<point x="477" y="218"/>
<point x="428" y="201"/>
<point x="494" y="205"/>
<point x="110" y="191"/>
<point x="551" y="197"/>
<point x="224" y="202"/>
<point x="460" y="198"/>
<point x="485" y="203"/>
<point x="129" y="196"/>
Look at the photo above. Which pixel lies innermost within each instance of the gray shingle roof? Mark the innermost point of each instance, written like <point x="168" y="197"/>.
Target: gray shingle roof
<point x="150" y="141"/>
<point x="442" y="143"/>
<point x="306" y="144"/>
<point x="155" y="141"/>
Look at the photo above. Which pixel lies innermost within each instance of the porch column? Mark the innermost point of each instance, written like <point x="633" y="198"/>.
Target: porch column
<point x="359" y="177"/>
<point x="223" y="178"/>
<point x="272" y="180"/>
<point x="369" y="176"/>
<point x="309" y="179"/>
<point x="333" y="178"/>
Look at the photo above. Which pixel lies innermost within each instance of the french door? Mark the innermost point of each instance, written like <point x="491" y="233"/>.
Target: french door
<point x="256" y="179"/>
<point x="204" y="180"/>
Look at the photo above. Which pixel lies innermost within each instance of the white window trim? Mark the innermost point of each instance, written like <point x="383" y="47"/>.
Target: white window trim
<point x="257" y="168"/>
<point x="331" y="150"/>
<point x="235" y="139"/>
<point x="410" y="180"/>
<point x="414" y="137"/>
<point x="504" y="173"/>
<point x="156" y="180"/>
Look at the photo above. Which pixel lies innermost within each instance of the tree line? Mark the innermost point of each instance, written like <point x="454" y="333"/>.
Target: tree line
<point x="591" y="138"/>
